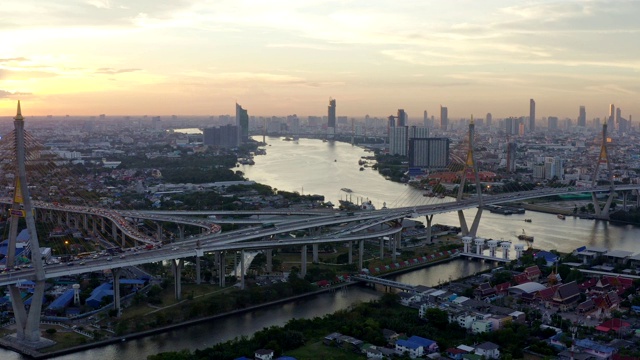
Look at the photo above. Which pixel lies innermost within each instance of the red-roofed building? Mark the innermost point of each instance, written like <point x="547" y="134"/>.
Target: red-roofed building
<point x="533" y="273"/>
<point x="588" y="285"/>
<point x="502" y="288"/>
<point x="547" y="294"/>
<point x="616" y="325"/>
<point x="520" y="279"/>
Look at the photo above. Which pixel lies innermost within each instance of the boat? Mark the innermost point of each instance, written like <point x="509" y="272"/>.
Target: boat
<point x="367" y="205"/>
<point x="525" y="237"/>
<point x="527" y="220"/>
<point x="347" y="190"/>
<point x="561" y="217"/>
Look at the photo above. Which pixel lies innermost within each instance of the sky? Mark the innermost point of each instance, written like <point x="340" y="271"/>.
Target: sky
<point x="281" y="57"/>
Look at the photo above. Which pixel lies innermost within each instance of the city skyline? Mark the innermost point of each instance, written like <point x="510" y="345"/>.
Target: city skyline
<point x="201" y="57"/>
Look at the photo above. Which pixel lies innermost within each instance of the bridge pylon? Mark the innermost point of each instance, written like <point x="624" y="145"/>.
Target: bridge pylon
<point x="603" y="158"/>
<point x="27" y="322"/>
<point x="470" y="165"/>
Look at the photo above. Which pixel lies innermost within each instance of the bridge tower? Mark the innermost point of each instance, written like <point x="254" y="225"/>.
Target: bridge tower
<point x="470" y="165"/>
<point x="603" y="158"/>
<point x="27" y="322"/>
<point x="493" y="245"/>
<point x="506" y="246"/>
<point x="519" y="250"/>
<point x="467" y="240"/>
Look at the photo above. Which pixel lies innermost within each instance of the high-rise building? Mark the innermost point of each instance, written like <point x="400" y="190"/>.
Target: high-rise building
<point x="242" y="123"/>
<point x="553" y="167"/>
<point x="618" y="118"/>
<point x="418" y="132"/>
<point x="425" y="120"/>
<point x="392" y="121"/>
<point x="552" y="123"/>
<point x="332" y="114"/>
<point x="611" y="124"/>
<point x="331" y="118"/>
<point x="402" y="118"/>
<point x="444" y="118"/>
<point x="511" y="156"/>
<point x="431" y="153"/>
<point x="224" y="136"/>
<point x="489" y="119"/>
<point x="532" y="115"/>
<point x="582" y="117"/>
<point x="398" y="136"/>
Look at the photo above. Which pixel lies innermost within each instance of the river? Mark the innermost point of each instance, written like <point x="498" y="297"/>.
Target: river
<point x="314" y="167"/>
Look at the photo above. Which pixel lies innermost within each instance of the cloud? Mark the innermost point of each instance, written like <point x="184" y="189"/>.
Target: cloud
<point x="14" y="59"/>
<point x="111" y="71"/>
<point x="7" y="94"/>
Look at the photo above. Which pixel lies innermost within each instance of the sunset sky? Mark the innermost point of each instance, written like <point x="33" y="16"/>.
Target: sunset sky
<point x="280" y="57"/>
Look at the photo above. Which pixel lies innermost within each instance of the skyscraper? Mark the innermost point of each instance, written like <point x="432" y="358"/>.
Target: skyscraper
<point x="489" y="119"/>
<point x="582" y="118"/>
<point x="402" y="118"/>
<point x="242" y="123"/>
<point x="444" y="118"/>
<point x="532" y="115"/>
<point x="611" y="120"/>
<point x="425" y="120"/>
<point x="398" y="137"/>
<point x="511" y="156"/>
<point x="332" y="113"/>
<point x="553" y="123"/>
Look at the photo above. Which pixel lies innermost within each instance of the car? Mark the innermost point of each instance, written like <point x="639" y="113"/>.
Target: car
<point x="122" y="256"/>
<point x="109" y="258"/>
<point x="69" y="264"/>
<point x="81" y="263"/>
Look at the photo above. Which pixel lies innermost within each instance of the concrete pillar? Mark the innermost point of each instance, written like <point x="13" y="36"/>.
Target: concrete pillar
<point x="116" y="290"/>
<point x="176" y="266"/>
<point x="85" y="222"/>
<point x="59" y="218"/>
<point x="269" y="253"/>
<point x="198" y="280"/>
<point x="124" y="239"/>
<point x="221" y="272"/>
<point x="242" y="269"/>
<point x="467" y="240"/>
<point x="303" y="261"/>
<point x="429" y="220"/>
<point x="235" y="264"/>
<point x="393" y="247"/>
<point x="476" y="222"/>
<point x="67" y="219"/>
<point x="315" y="253"/>
<point x="381" y="248"/>
<point x="94" y="224"/>
<point x="102" y="224"/>
<point x="159" y="233"/>
<point x="350" y="252"/>
<point x="114" y="231"/>
<point x="360" y="254"/>
<point x="181" y="232"/>
<point x="463" y="223"/>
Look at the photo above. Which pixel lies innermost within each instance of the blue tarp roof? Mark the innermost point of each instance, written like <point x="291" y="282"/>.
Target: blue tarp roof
<point x="62" y="301"/>
<point x="98" y="293"/>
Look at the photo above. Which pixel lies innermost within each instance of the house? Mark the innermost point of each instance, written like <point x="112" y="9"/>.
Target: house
<point x="481" y="326"/>
<point x="416" y="346"/>
<point x="263" y="354"/>
<point x="594" y="348"/>
<point x="488" y="349"/>
<point x="455" y="353"/>
<point x="331" y="339"/>
<point x="586" y="306"/>
<point x="372" y="352"/>
<point x="483" y="291"/>
<point x="390" y="336"/>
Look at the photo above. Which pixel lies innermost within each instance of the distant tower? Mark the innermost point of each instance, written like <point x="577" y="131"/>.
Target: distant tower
<point x="470" y="165"/>
<point x="612" y="116"/>
<point x="76" y="294"/>
<point x="532" y="115"/>
<point x="425" y="120"/>
<point x="511" y="156"/>
<point x="489" y="119"/>
<point x="582" y="118"/>
<point x="331" y="124"/>
<point x="402" y="118"/>
<point x="603" y="158"/>
<point x="444" y="118"/>
<point x="242" y="123"/>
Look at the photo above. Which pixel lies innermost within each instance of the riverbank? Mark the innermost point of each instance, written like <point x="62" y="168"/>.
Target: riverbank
<point x="4" y="343"/>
